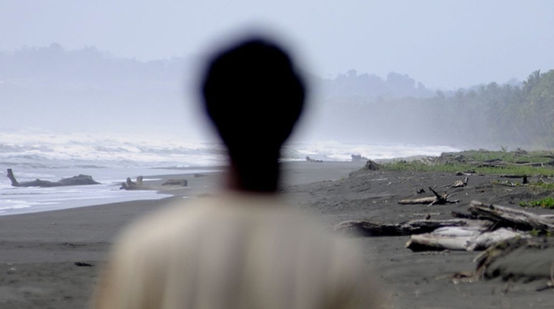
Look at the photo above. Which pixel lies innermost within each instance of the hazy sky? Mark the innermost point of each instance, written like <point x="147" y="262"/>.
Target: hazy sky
<point x="441" y="43"/>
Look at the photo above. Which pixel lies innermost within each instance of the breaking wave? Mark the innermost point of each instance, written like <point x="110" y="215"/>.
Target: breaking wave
<point x="110" y="159"/>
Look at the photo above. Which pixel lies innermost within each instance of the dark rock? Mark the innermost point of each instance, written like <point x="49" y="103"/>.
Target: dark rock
<point x="313" y="160"/>
<point x="371" y="165"/>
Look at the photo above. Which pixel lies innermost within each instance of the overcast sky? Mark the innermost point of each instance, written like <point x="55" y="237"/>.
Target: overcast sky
<point x="442" y="43"/>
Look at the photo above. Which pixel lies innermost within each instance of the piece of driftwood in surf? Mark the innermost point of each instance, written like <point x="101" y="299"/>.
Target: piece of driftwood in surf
<point x="140" y="184"/>
<point x="78" y="180"/>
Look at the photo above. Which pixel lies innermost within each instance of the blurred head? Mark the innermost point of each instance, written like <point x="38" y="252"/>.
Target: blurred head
<point x="254" y="96"/>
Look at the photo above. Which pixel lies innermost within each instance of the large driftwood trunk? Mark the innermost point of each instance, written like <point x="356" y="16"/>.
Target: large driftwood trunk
<point x="488" y="239"/>
<point x="460" y="238"/>
<point x="527" y="259"/>
<point x="510" y="217"/>
<point x="451" y="238"/>
<point x="366" y="228"/>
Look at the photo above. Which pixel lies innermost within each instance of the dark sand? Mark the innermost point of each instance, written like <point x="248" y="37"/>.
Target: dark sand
<point x="38" y="251"/>
<point x="421" y="279"/>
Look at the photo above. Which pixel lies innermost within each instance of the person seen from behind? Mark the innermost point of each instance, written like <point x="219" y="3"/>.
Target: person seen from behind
<point x="243" y="247"/>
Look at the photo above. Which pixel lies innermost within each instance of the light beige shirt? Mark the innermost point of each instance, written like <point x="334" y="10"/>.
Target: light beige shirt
<point x="233" y="251"/>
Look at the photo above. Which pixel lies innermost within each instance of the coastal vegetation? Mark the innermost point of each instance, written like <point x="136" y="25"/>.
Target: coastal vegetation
<point x="547" y="202"/>
<point x="519" y="114"/>
<point x="517" y="163"/>
<point x="492" y="116"/>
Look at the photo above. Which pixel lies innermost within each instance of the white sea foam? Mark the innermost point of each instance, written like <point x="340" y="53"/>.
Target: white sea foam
<point x="336" y="151"/>
<point x="87" y="150"/>
<point x="26" y="200"/>
<point x="110" y="159"/>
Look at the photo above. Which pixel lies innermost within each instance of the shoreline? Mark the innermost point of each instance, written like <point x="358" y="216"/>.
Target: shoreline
<point x="201" y="180"/>
<point x="38" y="251"/>
<point x="58" y="198"/>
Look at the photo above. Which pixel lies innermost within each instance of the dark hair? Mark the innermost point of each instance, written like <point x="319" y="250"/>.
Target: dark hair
<point x="254" y="96"/>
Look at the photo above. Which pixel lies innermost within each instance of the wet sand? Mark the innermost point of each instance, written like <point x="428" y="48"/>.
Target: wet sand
<point x="39" y="252"/>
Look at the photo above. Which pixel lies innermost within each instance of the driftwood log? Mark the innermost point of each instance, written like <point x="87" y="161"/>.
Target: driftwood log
<point x="132" y="185"/>
<point x="528" y="259"/>
<point x="486" y="226"/>
<point x="524" y="178"/>
<point x="460" y="183"/>
<point x="510" y="217"/>
<point x="72" y="181"/>
<point x="139" y="184"/>
<point x="468" y="238"/>
<point x="457" y="214"/>
<point x="488" y="239"/>
<point x="366" y="228"/>
<point x="438" y="199"/>
<point x="508" y="223"/>
<point x="451" y="238"/>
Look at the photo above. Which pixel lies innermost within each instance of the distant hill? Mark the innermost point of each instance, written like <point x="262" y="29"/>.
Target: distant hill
<point x="366" y="85"/>
<point x="85" y="65"/>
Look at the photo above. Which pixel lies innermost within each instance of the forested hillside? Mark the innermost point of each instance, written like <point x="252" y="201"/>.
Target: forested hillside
<point x="490" y="116"/>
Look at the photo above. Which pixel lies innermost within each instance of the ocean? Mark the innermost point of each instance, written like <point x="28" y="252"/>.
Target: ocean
<point x="110" y="159"/>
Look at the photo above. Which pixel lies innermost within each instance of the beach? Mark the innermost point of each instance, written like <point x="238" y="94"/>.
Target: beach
<point x="52" y="259"/>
